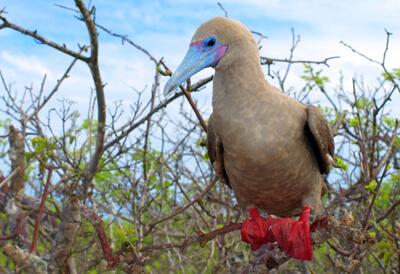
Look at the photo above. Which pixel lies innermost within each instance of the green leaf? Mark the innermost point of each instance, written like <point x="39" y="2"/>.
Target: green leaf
<point x="71" y="139"/>
<point x="86" y="124"/>
<point x="39" y="144"/>
<point x="206" y="157"/>
<point x="389" y="121"/>
<point x="353" y="122"/>
<point x="371" y="186"/>
<point x="341" y="164"/>
<point x="391" y="76"/>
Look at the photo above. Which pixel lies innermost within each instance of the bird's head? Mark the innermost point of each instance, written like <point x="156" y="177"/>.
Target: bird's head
<point x="216" y="43"/>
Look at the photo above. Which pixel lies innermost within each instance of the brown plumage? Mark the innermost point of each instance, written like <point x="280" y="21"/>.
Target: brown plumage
<point x="270" y="149"/>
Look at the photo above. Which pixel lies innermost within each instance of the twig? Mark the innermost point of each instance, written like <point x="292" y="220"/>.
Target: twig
<point x="270" y="61"/>
<point x="338" y="250"/>
<point x="223" y="9"/>
<point x="382" y="63"/>
<point x="365" y="225"/>
<point x="55" y="89"/>
<point x="386" y="158"/>
<point x="9" y="177"/>
<point x="390" y="210"/>
<point x="181" y="209"/>
<point x="189" y="98"/>
<point x="125" y="131"/>
<point x="124" y="38"/>
<point x="199" y="238"/>
<point x="176" y="179"/>
<point x="339" y="122"/>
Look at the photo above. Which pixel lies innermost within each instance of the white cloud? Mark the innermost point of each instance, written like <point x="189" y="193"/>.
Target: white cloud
<point x="25" y="64"/>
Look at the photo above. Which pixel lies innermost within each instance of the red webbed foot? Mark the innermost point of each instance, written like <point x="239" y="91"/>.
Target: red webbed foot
<point x="292" y="236"/>
<point x="255" y="229"/>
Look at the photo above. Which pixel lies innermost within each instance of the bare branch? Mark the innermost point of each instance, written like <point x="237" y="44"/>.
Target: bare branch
<point x="270" y="61"/>
<point x="99" y="87"/>
<point x="41" y="39"/>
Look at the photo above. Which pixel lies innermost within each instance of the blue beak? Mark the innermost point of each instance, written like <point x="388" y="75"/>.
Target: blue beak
<point x="197" y="58"/>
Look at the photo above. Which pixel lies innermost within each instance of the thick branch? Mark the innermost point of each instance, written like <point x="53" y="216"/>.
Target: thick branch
<point x="26" y="262"/>
<point x="99" y="87"/>
<point x="66" y="234"/>
<point x="17" y="157"/>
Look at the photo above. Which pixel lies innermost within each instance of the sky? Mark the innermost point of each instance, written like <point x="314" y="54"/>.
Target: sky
<point x="165" y="29"/>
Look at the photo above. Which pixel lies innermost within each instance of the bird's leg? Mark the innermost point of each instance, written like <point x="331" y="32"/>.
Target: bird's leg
<point x="292" y="236"/>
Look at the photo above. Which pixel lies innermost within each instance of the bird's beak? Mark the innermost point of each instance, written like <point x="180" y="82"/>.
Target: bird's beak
<point x="196" y="59"/>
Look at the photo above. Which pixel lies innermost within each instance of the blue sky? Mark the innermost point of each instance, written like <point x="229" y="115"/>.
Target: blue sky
<point x="165" y="29"/>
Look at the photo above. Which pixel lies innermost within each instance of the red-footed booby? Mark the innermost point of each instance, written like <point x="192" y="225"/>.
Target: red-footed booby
<point x="270" y="149"/>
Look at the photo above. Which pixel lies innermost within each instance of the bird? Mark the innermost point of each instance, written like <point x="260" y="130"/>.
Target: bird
<point x="271" y="150"/>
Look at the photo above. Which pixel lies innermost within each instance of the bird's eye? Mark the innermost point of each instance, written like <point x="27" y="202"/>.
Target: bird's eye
<point x="211" y="42"/>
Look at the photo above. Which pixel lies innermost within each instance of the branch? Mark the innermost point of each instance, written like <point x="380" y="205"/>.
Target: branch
<point x="127" y="129"/>
<point x="390" y="210"/>
<point x="386" y="169"/>
<point x="17" y="229"/>
<point x="41" y="39"/>
<point x="181" y="209"/>
<point x="199" y="238"/>
<point x="386" y="158"/>
<point x="55" y="89"/>
<point x="270" y="61"/>
<point x="97" y="222"/>
<point x="26" y="262"/>
<point x="17" y="157"/>
<point x="66" y="234"/>
<point x="382" y="63"/>
<point x="9" y="177"/>
<point x="339" y="122"/>
<point x="124" y="38"/>
<point x="39" y="214"/>
<point x="99" y="87"/>
<point x="188" y="97"/>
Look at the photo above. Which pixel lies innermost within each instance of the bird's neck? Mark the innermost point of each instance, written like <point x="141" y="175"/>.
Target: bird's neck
<point x="239" y="83"/>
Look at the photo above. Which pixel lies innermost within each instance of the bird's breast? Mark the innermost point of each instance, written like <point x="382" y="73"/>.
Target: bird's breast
<point x="266" y="156"/>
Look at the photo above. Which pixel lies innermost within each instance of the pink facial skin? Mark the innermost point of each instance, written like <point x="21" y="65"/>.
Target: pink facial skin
<point x="221" y="51"/>
<point x="217" y="52"/>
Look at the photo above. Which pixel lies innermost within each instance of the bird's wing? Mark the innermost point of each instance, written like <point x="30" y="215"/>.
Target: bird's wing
<point x="320" y="135"/>
<point x="216" y="152"/>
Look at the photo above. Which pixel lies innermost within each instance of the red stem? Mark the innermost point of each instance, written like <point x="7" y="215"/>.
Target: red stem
<point x="40" y="211"/>
<point x="97" y="222"/>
